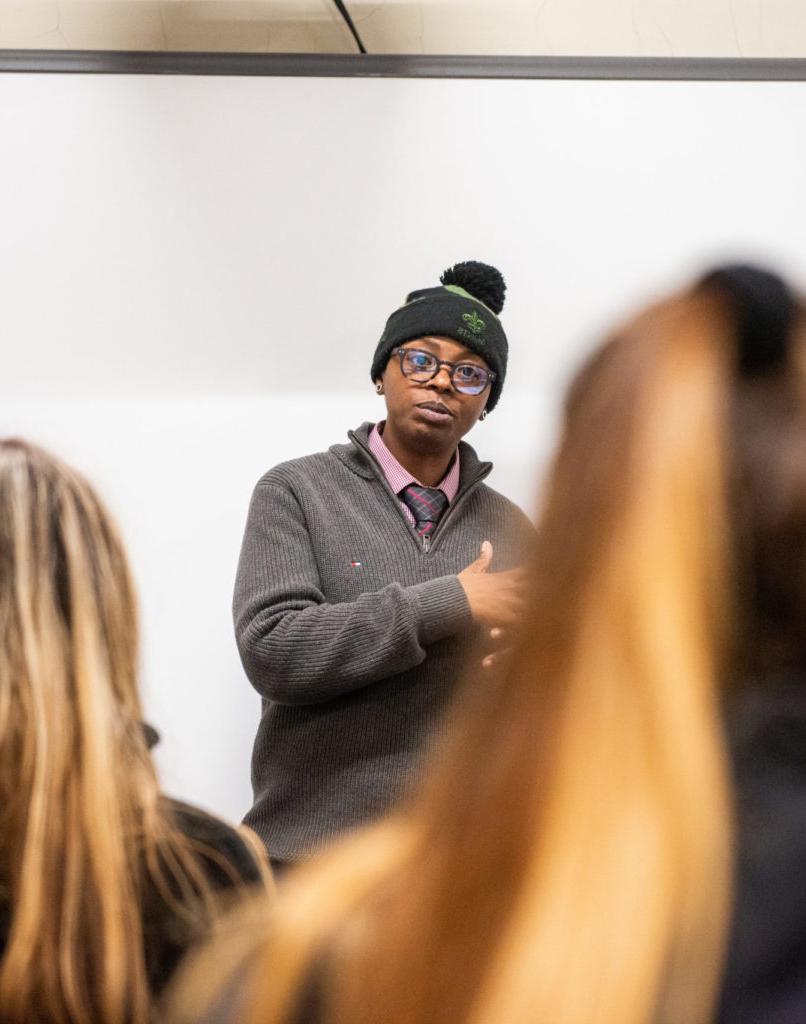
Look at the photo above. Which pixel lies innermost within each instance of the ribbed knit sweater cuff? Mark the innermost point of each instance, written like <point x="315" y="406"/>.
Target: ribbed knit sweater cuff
<point x="444" y="608"/>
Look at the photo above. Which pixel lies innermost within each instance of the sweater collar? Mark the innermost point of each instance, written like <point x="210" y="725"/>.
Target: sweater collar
<point x="357" y="457"/>
<point x="399" y="478"/>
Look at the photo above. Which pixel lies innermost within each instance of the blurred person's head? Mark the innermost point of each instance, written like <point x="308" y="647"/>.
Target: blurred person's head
<point x="567" y="858"/>
<point x="82" y="823"/>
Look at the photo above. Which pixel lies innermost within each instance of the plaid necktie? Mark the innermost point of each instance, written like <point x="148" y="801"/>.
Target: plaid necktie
<point x="427" y="505"/>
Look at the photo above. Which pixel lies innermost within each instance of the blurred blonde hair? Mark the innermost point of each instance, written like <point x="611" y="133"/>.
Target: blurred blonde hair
<point x="82" y="821"/>
<point x="568" y="858"/>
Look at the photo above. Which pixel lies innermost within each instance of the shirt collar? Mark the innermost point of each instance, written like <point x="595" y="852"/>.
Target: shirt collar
<point x="398" y="476"/>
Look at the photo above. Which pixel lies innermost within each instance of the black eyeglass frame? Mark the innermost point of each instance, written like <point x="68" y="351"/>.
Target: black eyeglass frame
<point x="401" y="354"/>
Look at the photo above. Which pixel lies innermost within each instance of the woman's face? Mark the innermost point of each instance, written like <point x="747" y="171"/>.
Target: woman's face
<point x="432" y="416"/>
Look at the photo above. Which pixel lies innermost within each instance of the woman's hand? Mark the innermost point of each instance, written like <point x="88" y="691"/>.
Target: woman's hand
<point x="495" y="598"/>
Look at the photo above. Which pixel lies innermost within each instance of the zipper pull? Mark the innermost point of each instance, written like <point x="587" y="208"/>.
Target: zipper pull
<point x="426" y="544"/>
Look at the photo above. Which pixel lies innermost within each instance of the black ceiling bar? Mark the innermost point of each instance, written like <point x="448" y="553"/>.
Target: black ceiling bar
<point x="317" y="65"/>
<point x="348" y="21"/>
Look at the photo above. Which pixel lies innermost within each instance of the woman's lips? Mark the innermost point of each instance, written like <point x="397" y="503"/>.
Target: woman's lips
<point x="435" y="413"/>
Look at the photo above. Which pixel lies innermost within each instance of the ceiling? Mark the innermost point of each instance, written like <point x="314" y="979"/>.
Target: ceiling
<point x="669" y="28"/>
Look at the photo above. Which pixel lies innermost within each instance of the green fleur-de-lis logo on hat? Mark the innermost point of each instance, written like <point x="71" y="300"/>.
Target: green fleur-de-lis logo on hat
<point x="474" y="322"/>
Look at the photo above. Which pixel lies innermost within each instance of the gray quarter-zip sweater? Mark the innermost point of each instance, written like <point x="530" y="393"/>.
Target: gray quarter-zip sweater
<point x="353" y="633"/>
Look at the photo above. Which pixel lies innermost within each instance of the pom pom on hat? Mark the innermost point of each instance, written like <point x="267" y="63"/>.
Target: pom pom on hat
<point x="480" y="280"/>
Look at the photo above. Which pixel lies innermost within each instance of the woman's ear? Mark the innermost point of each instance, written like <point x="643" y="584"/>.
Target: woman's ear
<point x="379" y="387"/>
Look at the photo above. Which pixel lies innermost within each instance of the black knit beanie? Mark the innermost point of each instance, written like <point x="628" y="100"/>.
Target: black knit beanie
<point x="465" y="308"/>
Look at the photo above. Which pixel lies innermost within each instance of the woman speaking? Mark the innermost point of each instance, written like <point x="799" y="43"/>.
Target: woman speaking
<point x="366" y="570"/>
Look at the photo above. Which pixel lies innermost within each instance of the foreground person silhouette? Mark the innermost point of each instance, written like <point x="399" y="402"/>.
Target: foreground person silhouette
<point x="104" y="883"/>
<point x="569" y="857"/>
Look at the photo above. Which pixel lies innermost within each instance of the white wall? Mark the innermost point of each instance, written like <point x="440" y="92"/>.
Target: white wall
<point x="194" y="273"/>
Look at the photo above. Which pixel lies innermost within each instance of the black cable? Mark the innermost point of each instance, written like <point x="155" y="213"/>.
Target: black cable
<point x="349" y="22"/>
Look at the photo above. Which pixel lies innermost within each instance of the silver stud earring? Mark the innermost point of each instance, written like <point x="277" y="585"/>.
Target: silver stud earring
<point x="379" y="388"/>
<point x="483" y="414"/>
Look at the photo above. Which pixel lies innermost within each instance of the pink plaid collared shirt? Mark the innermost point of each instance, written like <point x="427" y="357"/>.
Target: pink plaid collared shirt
<point x="397" y="477"/>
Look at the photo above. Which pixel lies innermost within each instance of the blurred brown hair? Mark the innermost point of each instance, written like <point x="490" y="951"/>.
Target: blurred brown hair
<point x="82" y="821"/>
<point x="568" y="857"/>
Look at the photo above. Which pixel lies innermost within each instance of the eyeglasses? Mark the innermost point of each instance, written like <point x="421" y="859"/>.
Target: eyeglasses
<point x="420" y="366"/>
